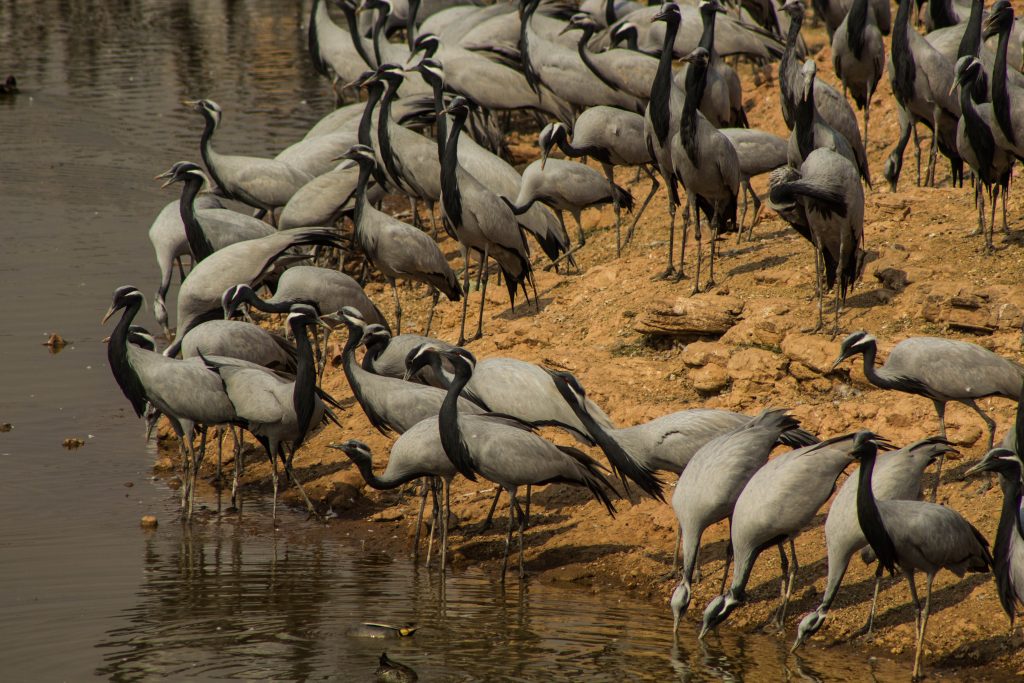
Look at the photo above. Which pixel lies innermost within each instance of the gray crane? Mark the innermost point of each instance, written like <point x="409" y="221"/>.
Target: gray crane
<point x="992" y="164"/>
<point x="915" y="536"/>
<point x="706" y="163"/>
<point x="211" y="229"/>
<point x="811" y="131"/>
<point x="833" y="12"/>
<point x="506" y="452"/>
<point x="416" y="454"/>
<point x="1008" y="550"/>
<point x="708" y="488"/>
<point x="858" y="56"/>
<point x="612" y="137"/>
<point x="167" y="235"/>
<point x="561" y="69"/>
<point x="397" y="249"/>
<point x="185" y="392"/>
<point x="626" y="70"/>
<point x="896" y="477"/>
<point x="481" y="222"/>
<point x="759" y="152"/>
<point x="331" y="49"/>
<point x="492" y="85"/>
<point x="279" y="412"/>
<point x="249" y="262"/>
<point x="943" y="370"/>
<point x="832" y="107"/>
<point x="386" y="355"/>
<point x="391" y="405"/>
<point x="776" y="505"/>
<point x="921" y="80"/>
<point x="494" y="172"/>
<point x="242" y="340"/>
<point x="1007" y="100"/>
<point x="723" y="95"/>
<point x="569" y="186"/>
<point x="264" y="184"/>
<point x="826" y="206"/>
<point x="327" y="198"/>
<point x="661" y="120"/>
<point x="317" y="155"/>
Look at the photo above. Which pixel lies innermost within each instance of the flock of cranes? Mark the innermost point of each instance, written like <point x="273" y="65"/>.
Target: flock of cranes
<point x="601" y="82"/>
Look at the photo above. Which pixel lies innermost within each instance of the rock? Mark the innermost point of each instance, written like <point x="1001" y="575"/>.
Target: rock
<point x="812" y="351"/>
<point x="148" y="522"/>
<point x="759" y="332"/>
<point x="700" y="353"/>
<point x="710" y="379"/>
<point x="696" y="316"/>
<point x="71" y="443"/>
<point x="387" y="515"/>
<point x="757" y="365"/>
<point x="55" y="342"/>
<point x="6" y="427"/>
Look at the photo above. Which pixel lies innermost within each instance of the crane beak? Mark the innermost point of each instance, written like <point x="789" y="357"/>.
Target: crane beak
<point x="324" y="325"/>
<point x="544" y="157"/>
<point x="110" y="312"/>
<point x="169" y="181"/>
<point x="191" y="104"/>
<point x="837" y="363"/>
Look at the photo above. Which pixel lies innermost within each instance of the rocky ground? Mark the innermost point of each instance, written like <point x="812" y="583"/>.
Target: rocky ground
<point x="927" y="276"/>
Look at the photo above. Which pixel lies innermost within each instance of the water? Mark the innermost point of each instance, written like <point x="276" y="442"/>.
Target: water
<point x="87" y="593"/>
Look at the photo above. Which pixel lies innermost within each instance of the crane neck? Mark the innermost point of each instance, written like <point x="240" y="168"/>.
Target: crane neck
<point x="788" y="69"/>
<point x="803" y="123"/>
<point x="384" y="135"/>
<point x="448" y="423"/>
<point x="902" y="56"/>
<point x="206" y="149"/>
<point x="410" y="23"/>
<point x="317" y="14"/>
<point x="198" y="243"/>
<point x="707" y="36"/>
<point x="437" y="87"/>
<point x="357" y="37"/>
<point x="581" y="48"/>
<point x="609" y="12"/>
<point x="266" y="306"/>
<point x="856" y="24"/>
<point x="696" y="80"/>
<point x="1000" y="91"/>
<point x="304" y="391"/>
<point x="978" y="133"/>
<point x="661" y="87"/>
<point x="378" y="26"/>
<point x="365" y="168"/>
<point x="451" y="198"/>
<point x="1009" y="524"/>
<point x="970" y="43"/>
<point x="365" y="467"/>
<point x="941" y="14"/>
<point x="373" y="351"/>
<point x="524" y="46"/>
<point x="373" y="94"/>
<point x="871" y="371"/>
<point x="117" y="356"/>
<point x="869" y="517"/>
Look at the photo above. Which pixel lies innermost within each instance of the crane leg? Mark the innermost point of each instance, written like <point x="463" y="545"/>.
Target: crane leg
<point x="743" y="215"/>
<point x="609" y="172"/>
<point x="419" y="520"/>
<point x="465" y="298"/>
<point x="713" y="247"/>
<point x="298" y="484"/>
<point x="236" y="501"/>
<point x="979" y="204"/>
<point x="398" y="307"/>
<point x="867" y="115"/>
<point x="483" y="293"/>
<point x="670" y="268"/>
<point x="444" y="524"/>
<point x="790" y="582"/>
<point x="993" y="199"/>
<point x="1006" y="190"/>
<point x="508" y="535"/>
<point x="922" y="617"/>
<point x="273" y="479"/>
<point x="490" y="513"/>
<point x="522" y="534"/>
<point x="195" y="470"/>
<point x="430" y="316"/>
<point x="989" y="422"/>
<point x="435" y="516"/>
<point x="940" y="410"/>
<point x="636" y="219"/>
<point x="917" y="151"/>
<point x="691" y="203"/>
<point x="869" y="627"/>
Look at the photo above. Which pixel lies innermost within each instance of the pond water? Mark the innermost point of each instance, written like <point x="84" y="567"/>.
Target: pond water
<point x="86" y="592"/>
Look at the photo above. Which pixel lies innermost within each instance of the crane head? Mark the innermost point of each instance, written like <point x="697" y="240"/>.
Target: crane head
<point x="809" y="625"/>
<point x="424" y="355"/>
<point x="375" y="333"/>
<point x="180" y="172"/>
<point x="302" y="315"/>
<point x="233" y="297"/>
<point x="1000" y="18"/>
<point x="711" y="7"/>
<point x="392" y="73"/>
<point x="967" y="70"/>
<point x="384" y="6"/>
<point x="551" y="135"/>
<point x="458" y="107"/>
<point x="679" y="603"/>
<point x="795" y="9"/>
<point x="208" y="108"/>
<point x="580" y="21"/>
<point x="361" y="154"/>
<point x="426" y="42"/>
<point x="140" y="336"/>
<point x="355" y="449"/>
<point x="123" y="297"/>
<point x="856" y="342"/>
<point x="699" y="57"/>
<point x="353" y="319"/>
<point x="717" y="611"/>
<point x="569" y="387"/>
<point x="669" y="12"/>
<point x="1000" y="460"/>
<point x="623" y="31"/>
<point x="432" y="70"/>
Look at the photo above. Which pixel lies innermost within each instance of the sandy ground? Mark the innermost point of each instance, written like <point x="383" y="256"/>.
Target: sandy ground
<point x="928" y="276"/>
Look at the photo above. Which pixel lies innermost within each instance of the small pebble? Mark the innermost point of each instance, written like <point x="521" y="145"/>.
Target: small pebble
<point x="148" y="522"/>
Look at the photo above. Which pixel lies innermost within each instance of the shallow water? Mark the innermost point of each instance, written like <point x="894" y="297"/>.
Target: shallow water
<point x="86" y="592"/>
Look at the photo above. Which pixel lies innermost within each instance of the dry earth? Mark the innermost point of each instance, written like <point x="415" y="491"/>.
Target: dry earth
<point x="928" y="277"/>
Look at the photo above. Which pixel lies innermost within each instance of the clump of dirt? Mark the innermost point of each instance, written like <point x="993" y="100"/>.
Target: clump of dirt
<point x="928" y="276"/>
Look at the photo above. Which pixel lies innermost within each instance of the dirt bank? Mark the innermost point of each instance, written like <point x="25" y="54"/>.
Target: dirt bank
<point x="928" y="276"/>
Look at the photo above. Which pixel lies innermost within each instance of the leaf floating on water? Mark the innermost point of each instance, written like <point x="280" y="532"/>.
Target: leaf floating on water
<point x="56" y="343"/>
<point x="71" y="443"/>
<point x="6" y="427"/>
